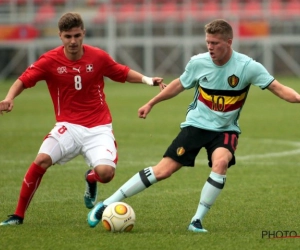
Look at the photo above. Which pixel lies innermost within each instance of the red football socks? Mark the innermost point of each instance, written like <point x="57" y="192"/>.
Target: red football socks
<point x="30" y="184"/>
<point x="92" y="177"/>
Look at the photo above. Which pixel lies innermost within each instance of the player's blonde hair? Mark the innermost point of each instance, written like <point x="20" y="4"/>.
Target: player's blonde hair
<point x="69" y="21"/>
<point x="219" y="26"/>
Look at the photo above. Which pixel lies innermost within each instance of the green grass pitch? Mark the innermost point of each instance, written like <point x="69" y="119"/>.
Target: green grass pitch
<point x="261" y="194"/>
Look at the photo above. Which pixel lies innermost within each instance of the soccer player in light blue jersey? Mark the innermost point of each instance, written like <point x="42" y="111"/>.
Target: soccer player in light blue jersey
<point x="221" y="78"/>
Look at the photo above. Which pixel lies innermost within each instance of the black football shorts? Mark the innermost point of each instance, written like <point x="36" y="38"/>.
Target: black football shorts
<point x="188" y="143"/>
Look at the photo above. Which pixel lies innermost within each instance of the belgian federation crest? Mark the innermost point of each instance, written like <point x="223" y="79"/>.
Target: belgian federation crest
<point x="233" y="81"/>
<point x="180" y="151"/>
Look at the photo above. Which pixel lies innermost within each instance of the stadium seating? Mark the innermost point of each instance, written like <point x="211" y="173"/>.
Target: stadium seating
<point x="252" y="9"/>
<point x="101" y="14"/>
<point x="276" y="7"/>
<point x="44" y="14"/>
<point x="191" y="10"/>
<point x="232" y="8"/>
<point x="167" y="12"/>
<point x="211" y="9"/>
<point x="293" y="8"/>
<point x="162" y="10"/>
<point x="127" y="12"/>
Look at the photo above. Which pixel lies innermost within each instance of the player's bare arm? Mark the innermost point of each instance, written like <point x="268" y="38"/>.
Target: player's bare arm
<point x="286" y="93"/>
<point x="7" y="104"/>
<point x="136" y="77"/>
<point x="171" y="90"/>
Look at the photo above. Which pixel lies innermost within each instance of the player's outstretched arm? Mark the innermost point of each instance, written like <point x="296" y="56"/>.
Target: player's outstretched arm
<point x="286" y="93"/>
<point x="171" y="90"/>
<point x="8" y="103"/>
<point x="136" y="77"/>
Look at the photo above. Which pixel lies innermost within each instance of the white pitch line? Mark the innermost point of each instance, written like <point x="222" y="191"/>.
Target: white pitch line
<point x="278" y="154"/>
<point x="273" y="154"/>
<point x="272" y="141"/>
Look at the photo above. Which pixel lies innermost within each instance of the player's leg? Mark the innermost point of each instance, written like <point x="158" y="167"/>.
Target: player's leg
<point x="211" y="189"/>
<point x="174" y="158"/>
<point x="29" y="185"/>
<point x="102" y="174"/>
<point x="144" y="179"/>
<point x="221" y="156"/>
<point x="54" y="148"/>
<point x="100" y="152"/>
<point x="136" y="184"/>
<point x="31" y="182"/>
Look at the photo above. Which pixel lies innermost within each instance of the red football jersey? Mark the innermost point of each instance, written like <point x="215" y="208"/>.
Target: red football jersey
<point x="77" y="87"/>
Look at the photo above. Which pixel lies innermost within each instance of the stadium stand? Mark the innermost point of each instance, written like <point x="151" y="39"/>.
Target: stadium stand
<point x="160" y="12"/>
<point x="276" y="7"/>
<point x="166" y="9"/>
<point x="168" y="23"/>
<point x="293" y="8"/>
<point x="101" y="14"/>
<point x="45" y="13"/>
<point x="252" y="9"/>
<point x="210" y="9"/>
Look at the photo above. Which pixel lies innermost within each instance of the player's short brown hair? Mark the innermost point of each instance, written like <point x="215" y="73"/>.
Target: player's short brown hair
<point x="219" y="26"/>
<point x="69" y="21"/>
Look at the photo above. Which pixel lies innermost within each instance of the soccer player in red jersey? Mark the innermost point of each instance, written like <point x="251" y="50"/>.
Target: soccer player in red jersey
<point x="74" y="73"/>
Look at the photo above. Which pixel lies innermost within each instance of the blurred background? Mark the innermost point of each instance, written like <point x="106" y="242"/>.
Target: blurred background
<point x="156" y="37"/>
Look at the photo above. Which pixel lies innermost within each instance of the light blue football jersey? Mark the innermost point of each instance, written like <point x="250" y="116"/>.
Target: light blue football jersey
<point x="221" y="91"/>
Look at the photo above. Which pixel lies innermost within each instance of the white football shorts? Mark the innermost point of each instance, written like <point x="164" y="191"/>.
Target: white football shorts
<point x="66" y="141"/>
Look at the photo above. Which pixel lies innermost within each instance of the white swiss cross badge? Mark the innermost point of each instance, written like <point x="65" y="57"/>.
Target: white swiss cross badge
<point x="89" y="68"/>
